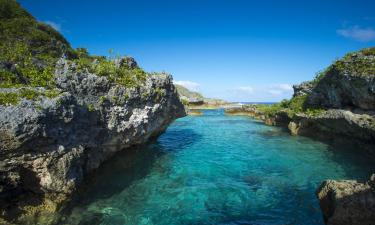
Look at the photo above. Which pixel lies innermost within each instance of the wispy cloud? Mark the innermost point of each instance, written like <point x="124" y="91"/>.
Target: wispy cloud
<point x="245" y="90"/>
<point x="280" y="89"/>
<point x="56" y="26"/>
<point x="262" y="93"/>
<point x="357" y="33"/>
<point x="193" y="86"/>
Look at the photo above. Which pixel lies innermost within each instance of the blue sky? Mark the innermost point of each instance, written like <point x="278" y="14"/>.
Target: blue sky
<point x="237" y="50"/>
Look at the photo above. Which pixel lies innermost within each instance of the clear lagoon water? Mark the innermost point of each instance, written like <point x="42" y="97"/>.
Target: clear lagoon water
<point x="216" y="169"/>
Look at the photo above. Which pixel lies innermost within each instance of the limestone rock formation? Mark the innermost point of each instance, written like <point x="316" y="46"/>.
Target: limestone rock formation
<point x="49" y="145"/>
<point x="337" y="123"/>
<point x="303" y="88"/>
<point x="348" y="83"/>
<point x="347" y="202"/>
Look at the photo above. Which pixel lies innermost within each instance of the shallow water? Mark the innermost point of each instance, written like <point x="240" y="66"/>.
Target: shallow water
<point x="216" y="169"/>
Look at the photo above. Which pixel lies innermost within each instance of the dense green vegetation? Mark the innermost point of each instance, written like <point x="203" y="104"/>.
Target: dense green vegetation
<point x="102" y="66"/>
<point x="292" y="107"/>
<point x="28" y="48"/>
<point x="361" y="63"/>
<point x="12" y="98"/>
<point x="29" y="51"/>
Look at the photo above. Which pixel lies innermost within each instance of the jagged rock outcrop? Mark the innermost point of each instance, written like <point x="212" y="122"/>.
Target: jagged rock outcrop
<point x="348" y="83"/>
<point x="347" y="202"/>
<point x="49" y="145"/>
<point x="336" y="123"/>
<point x="303" y="88"/>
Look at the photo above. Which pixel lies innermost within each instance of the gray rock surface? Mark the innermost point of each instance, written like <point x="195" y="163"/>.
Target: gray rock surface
<point x="347" y="202"/>
<point x="48" y="146"/>
<point x="303" y="88"/>
<point x="344" y="88"/>
<point x="337" y="123"/>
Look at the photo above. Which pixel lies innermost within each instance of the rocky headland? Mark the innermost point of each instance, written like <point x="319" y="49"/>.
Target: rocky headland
<point x="338" y="106"/>
<point x="195" y="101"/>
<point x="64" y="112"/>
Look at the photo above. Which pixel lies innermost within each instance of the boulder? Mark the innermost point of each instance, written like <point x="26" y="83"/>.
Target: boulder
<point x="128" y="62"/>
<point x="347" y="202"/>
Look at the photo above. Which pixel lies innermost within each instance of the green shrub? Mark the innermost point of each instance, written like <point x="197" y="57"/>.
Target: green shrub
<point x="9" y="98"/>
<point x="270" y="110"/>
<point x="10" y="9"/>
<point x="29" y="94"/>
<point x="107" y="67"/>
<point x="184" y="101"/>
<point x="51" y="93"/>
<point x="91" y="108"/>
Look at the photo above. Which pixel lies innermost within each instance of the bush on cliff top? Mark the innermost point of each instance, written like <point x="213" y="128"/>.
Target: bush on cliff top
<point x="29" y="51"/>
<point x="292" y="107"/>
<point x="103" y="66"/>
<point x="361" y="63"/>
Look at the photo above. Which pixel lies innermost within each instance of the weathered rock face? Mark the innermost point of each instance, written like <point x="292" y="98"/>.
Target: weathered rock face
<point x="128" y="62"/>
<point x="303" y="88"/>
<point x="48" y="146"/>
<point x="344" y="87"/>
<point x="347" y="202"/>
<point x="334" y="123"/>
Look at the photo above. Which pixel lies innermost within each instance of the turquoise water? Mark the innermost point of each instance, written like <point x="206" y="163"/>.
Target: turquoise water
<point x="216" y="169"/>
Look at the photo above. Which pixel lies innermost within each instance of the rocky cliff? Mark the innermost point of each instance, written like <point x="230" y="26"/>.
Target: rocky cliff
<point x="48" y="145"/>
<point x="60" y="118"/>
<point x="337" y="106"/>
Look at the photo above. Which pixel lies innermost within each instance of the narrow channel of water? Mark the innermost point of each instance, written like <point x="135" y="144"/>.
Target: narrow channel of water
<point x="217" y="169"/>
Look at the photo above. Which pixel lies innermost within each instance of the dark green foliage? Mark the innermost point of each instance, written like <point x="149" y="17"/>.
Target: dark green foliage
<point x="10" y="9"/>
<point x="29" y="94"/>
<point x="368" y="51"/>
<point x="270" y="110"/>
<point x="30" y="48"/>
<point x="292" y="107"/>
<point x="12" y="98"/>
<point x="29" y="51"/>
<point x="9" y="98"/>
<point x="361" y="63"/>
<point x="107" y="67"/>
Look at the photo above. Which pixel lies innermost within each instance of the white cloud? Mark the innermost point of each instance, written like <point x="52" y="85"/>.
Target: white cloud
<point x="280" y="89"/>
<point x="193" y="86"/>
<point x="284" y="87"/>
<point x="274" y="92"/>
<point x="247" y="89"/>
<point x="55" y="25"/>
<point x="358" y="33"/>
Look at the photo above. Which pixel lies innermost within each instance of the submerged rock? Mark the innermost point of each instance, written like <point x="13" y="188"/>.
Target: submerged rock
<point x="347" y="202"/>
<point x="49" y="145"/>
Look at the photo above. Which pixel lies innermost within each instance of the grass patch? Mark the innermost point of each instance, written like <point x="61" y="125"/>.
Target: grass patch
<point x="292" y="107"/>
<point x="102" y="66"/>
<point x="9" y="98"/>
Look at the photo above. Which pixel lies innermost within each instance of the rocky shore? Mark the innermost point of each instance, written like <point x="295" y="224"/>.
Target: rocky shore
<point x="337" y="106"/>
